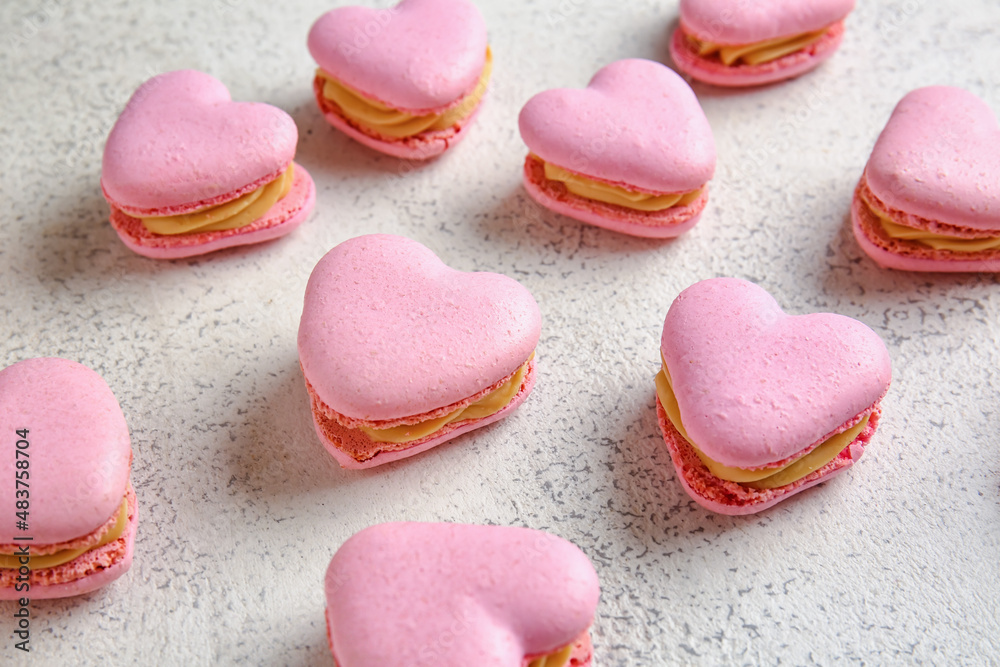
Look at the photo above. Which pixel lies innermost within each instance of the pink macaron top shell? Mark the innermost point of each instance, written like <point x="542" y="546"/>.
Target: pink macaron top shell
<point x="756" y="386"/>
<point x="389" y="331"/>
<point x="79" y="450"/>
<point x="637" y="124"/>
<point x="939" y="158"/>
<point x="750" y="21"/>
<point x="453" y="595"/>
<point x="419" y="56"/>
<point x="181" y="142"/>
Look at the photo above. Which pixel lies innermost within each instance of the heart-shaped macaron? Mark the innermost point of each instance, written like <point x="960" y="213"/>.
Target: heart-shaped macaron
<point x="451" y="595"/>
<point x="418" y="56"/>
<point x="183" y="141"/>
<point x="188" y="171"/>
<point x="390" y="333"/>
<point x="936" y="169"/>
<point x="757" y="388"/>
<point x="636" y="123"/>
<point x="407" y="80"/>
<point x="636" y="126"/>
<point x="770" y="40"/>
<point x="65" y="476"/>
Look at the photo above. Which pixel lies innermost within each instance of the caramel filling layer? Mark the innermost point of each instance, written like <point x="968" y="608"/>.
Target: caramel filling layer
<point x="758" y="52"/>
<point x="384" y="120"/>
<point x="559" y="658"/>
<point x="930" y="239"/>
<point x="491" y="403"/>
<point x="9" y="561"/>
<point x="581" y="186"/>
<point x="758" y="478"/>
<point x="239" y="212"/>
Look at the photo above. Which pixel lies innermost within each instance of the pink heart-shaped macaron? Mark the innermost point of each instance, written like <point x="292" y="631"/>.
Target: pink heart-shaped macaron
<point x="450" y="595"/>
<point x="182" y="141"/>
<point x="65" y="474"/>
<point x="418" y="56"/>
<point x="391" y="335"/>
<point x="755" y="385"/>
<point x="636" y="124"/>
<point x="939" y="158"/>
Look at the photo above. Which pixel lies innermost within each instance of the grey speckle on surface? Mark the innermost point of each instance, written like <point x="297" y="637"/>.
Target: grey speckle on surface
<point x="895" y="562"/>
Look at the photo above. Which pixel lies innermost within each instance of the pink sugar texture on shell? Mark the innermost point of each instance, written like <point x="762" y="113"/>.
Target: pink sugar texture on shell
<point x="636" y="125"/>
<point x="935" y="167"/>
<point x="731" y="23"/>
<point x="756" y="387"/>
<point x="80" y="454"/>
<point x="452" y="595"/>
<point x="388" y="331"/>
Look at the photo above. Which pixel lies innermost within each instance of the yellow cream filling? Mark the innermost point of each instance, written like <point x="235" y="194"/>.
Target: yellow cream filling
<point x="389" y="122"/>
<point x="491" y="403"/>
<point x="758" y="52"/>
<point x="582" y="186"/>
<point x="764" y="478"/>
<point x="935" y="241"/>
<point x="9" y="561"/>
<point x="239" y="212"/>
<point x="559" y="658"/>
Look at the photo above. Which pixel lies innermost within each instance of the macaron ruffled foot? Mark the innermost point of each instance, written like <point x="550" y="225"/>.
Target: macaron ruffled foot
<point x="756" y="43"/>
<point x="453" y="595"/>
<point x="632" y="152"/>
<point x="188" y="171"/>
<point x="407" y="81"/>
<point x="756" y="405"/>
<point x="401" y="353"/>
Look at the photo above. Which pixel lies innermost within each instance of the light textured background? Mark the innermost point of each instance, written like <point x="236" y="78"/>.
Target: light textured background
<point x="894" y="562"/>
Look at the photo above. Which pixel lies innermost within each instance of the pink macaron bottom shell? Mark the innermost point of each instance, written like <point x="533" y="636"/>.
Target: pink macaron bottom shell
<point x="423" y="146"/>
<point x="86" y="573"/>
<point x="734" y="499"/>
<point x="287" y="214"/>
<point x="712" y="70"/>
<point x="553" y="195"/>
<point x="904" y="255"/>
<point x="340" y="440"/>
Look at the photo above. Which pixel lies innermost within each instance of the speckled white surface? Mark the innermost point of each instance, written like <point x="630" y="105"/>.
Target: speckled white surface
<point x="895" y="562"/>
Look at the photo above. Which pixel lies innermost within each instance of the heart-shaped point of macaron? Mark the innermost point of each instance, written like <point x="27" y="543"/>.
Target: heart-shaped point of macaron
<point x="451" y="595"/>
<point x="760" y="20"/>
<point x="637" y="124"/>
<point x="418" y="56"/>
<point x="388" y="330"/>
<point x="939" y="158"/>
<point x="756" y="386"/>
<point x="75" y="440"/>
<point x="181" y="141"/>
